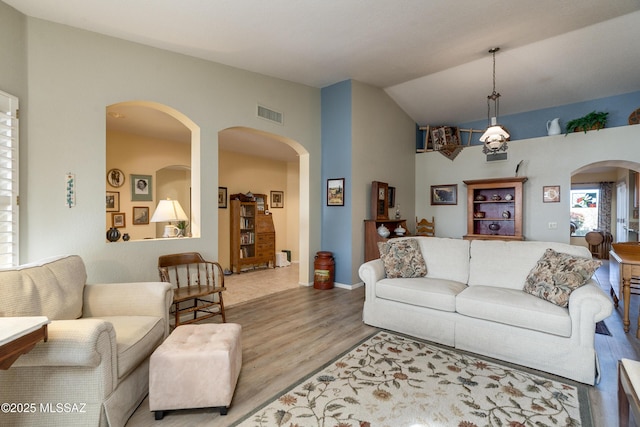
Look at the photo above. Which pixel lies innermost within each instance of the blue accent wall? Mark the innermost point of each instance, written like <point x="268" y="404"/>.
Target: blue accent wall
<point x="533" y="124"/>
<point x="336" y="163"/>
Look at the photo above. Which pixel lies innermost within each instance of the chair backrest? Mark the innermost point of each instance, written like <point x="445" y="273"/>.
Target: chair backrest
<point x="190" y="269"/>
<point x="426" y="228"/>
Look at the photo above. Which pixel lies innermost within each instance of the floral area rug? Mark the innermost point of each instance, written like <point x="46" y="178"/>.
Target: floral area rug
<point x="392" y="380"/>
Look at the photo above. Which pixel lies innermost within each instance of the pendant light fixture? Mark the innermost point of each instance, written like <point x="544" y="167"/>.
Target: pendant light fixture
<point x="495" y="137"/>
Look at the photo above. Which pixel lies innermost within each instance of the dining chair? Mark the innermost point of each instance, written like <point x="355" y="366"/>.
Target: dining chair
<point x="426" y="228"/>
<point x="198" y="286"/>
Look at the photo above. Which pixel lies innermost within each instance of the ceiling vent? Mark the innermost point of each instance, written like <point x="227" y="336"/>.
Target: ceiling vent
<point x="269" y="114"/>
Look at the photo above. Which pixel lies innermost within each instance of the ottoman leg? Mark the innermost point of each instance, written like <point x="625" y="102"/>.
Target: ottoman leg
<point x="224" y="410"/>
<point x="159" y="415"/>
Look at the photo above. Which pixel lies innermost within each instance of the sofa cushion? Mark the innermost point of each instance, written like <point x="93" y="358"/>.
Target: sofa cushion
<point x="137" y="337"/>
<point x="51" y="287"/>
<point x="556" y="275"/>
<point x="438" y="294"/>
<point x="402" y="258"/>
<point x="514" y="307"/>
<point x="489" y="268"/>
<point x="445" y="258"/>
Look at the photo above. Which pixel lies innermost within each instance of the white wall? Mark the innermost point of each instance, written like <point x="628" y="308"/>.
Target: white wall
<point x="72" y="76"/>
<point x="547" y="161"/>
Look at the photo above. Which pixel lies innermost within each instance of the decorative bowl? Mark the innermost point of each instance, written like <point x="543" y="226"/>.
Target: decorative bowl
<point x="480" y="198"/>
<point x="496" y="197"/>
<point x="479" y="214"/>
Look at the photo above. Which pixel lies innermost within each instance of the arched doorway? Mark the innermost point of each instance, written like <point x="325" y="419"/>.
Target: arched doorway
<point x="622" y="176"/>
<point x="244" y="141"/>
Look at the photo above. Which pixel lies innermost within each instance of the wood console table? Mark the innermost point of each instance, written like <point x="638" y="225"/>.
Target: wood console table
<point x="622" y="267"/>
<point x="18" y="336"/>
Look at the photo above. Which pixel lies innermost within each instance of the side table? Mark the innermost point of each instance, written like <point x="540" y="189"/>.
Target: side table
<point x="18" y="336"/>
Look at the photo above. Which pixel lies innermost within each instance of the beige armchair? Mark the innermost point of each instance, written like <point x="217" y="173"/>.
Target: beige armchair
<point x="94" y="368"/>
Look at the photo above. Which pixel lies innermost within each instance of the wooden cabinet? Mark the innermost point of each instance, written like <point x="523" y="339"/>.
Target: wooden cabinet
<point x="371" y="236"/>
<point x="494" y="208"/>
<point x="253" y="237"/>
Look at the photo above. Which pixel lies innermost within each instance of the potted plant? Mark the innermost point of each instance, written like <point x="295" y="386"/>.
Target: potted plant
<point x="182" y="228"/>
<point x="594" y="120"/>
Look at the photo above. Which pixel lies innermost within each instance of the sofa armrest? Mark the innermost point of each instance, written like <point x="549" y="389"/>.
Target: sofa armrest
<point x="370" y="273"/>
<point x="587" y="305"/>
<point x="79" y="342"/>
<point x="128" y="299"/>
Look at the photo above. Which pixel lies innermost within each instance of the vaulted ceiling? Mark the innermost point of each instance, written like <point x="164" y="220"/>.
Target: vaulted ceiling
<point x="431" y="56"/>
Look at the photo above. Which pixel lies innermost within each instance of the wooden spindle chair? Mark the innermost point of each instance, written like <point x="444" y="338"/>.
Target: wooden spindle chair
<point x="426" y="228"/>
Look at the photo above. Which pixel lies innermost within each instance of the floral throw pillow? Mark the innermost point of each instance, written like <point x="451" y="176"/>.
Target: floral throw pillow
<point x="402" y="258"/>
<point x="557" y="274"/>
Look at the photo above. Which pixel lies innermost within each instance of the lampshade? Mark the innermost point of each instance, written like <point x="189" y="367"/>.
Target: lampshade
<point x="169" y="210"/>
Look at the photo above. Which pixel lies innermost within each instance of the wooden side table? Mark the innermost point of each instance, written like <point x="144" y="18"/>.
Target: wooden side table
<point x="18" y="336"/>
<point x="621" y="268"/>
<point x="628" y="383"/>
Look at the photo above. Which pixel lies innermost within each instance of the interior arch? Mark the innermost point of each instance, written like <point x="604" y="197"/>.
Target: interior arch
<point x="265" y="144"/>
<point x="156" y="120"/>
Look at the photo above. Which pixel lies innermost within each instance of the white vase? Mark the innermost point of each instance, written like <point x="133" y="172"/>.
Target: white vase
<point x="553" y="127"/>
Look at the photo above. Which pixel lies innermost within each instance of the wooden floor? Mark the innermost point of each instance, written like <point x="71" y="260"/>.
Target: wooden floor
<point x="289" y="334"/>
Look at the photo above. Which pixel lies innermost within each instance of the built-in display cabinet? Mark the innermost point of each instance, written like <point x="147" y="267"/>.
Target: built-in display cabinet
<point x="494" y="208"/>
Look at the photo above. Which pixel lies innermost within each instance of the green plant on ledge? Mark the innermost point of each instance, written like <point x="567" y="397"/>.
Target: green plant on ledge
<point x="594" y="120"/>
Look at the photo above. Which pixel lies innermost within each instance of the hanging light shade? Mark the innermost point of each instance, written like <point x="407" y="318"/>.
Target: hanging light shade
<point x="495" y="137"/>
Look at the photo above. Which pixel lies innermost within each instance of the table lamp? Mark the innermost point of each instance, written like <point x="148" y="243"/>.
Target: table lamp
<point x="168" y="211"/>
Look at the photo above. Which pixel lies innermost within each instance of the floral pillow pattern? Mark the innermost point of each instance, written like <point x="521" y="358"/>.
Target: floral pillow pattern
<point x="557" y="274"/>
<point x="402" y="258"/>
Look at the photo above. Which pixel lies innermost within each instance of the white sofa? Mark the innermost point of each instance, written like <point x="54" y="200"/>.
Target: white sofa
<point x="94" y="368"/>
<point x="472" y="299"/>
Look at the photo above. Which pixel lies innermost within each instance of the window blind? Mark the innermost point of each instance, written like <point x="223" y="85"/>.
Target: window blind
<point x="8" y="180"/>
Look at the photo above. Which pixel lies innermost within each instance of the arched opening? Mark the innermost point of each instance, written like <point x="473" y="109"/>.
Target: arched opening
<point x="154" y="144"/>
<point x="242" y="170"/>
<point x="616" y="184"/>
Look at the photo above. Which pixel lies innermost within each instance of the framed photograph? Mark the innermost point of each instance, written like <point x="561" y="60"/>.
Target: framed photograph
<point x="222" y="197"/>
<point x="277" y="199"/>
<point x="140" y="215"/>
<point x="444" y="194"/>
<point x="113" y="201"/>
<point x="117" y="220"/>
<point x="392" y="197"/>
<point x="551" y="194"/>
<point x="335" y="192"/>
<point x="141" y="188"/>
<point x="115" y="178"/>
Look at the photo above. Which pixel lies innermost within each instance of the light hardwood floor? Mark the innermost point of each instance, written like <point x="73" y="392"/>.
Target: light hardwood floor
<point x="289" y="334"/>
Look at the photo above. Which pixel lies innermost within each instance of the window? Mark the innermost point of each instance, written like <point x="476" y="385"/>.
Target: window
<point x="584" y="210"/>
<point x="8" y="180"/>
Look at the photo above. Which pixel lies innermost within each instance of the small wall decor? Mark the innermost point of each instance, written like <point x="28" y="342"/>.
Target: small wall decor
<point x="444" y="194"/>
<point x="117" y="220"/>
<point x="335" y="192"/>
<point x="277" y="199"/>
<point x="551" y="194"/>
<point x="113" y="201"/>
<point x="70" y="185"/>
<point x="115" y="178"/>
<point x="141" y="188"/>
<point x="140" y="215"/>
<point x="222" y="197"/>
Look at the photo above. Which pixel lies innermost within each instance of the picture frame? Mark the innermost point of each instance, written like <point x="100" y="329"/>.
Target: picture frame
<point x="277" y="199"/>
<point x="392" y="197"/>
<point x="140" y="215"/>
<point x="335" y="192"/>
<point x="113" y="201"/>
<point x="118" y="220"/>
<point x="222" y="197"/>
<point x="141" y="188"/>
<point x="551" y="194"/>
<point x="115" y="178"/>
<point x="444" y="194"/>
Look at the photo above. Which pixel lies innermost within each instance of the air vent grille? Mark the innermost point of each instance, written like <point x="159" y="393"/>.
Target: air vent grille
<point x="269" y="114"/>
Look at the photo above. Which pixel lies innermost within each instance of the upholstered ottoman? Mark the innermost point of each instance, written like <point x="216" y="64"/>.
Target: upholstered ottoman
<point x="196" y="367"/>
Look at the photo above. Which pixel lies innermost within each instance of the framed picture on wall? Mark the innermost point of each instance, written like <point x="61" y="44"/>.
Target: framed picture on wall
<point x="551" y="194"/>
<point x="113" y="201"/>
<point x="444" y="194"/>
<point x="277" y="199"/>
<point x="117" y="220"/>
<point x="335" y="192"/>
<point x="141" y="188"/>
<point x="222" y="197"/>
<point x="140" y="215"/>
